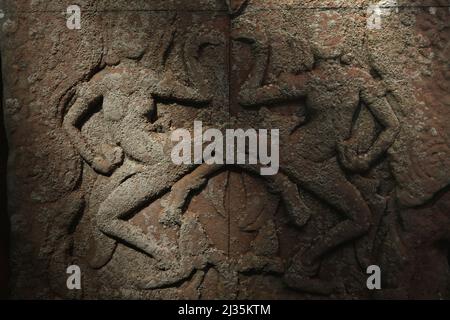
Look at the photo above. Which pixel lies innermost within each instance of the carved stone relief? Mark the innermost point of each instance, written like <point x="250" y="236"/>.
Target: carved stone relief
<point x="364" y="149"/>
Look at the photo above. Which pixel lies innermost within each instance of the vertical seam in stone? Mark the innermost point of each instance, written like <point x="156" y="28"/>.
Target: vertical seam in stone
<point x="4" y="221"/>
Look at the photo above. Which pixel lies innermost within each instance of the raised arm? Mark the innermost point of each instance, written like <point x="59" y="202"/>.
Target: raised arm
<point x="253" y="92"/>
<point x="289" y="87"/>
<point x="169" y="88"/>
<point x="261" y="51"/>
<point x="377" y="103"/>
<point x="193" y="46"/>
<point x="88" y="95"/>
<point x="374" y="97"/>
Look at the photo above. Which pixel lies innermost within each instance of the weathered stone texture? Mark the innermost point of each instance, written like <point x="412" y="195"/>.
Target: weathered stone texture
<point x="88" y="185"/>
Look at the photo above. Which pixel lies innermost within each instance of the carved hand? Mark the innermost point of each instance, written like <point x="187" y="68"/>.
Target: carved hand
<point x="350" y="159"/>
<point x="259" y="96"/>
<point x="102" y="165"/>
<point x="111" y="158"/>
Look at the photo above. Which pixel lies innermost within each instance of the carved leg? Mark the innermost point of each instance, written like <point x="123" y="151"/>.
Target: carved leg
<point x="328" y="183"/>
<point x="266" y="260"/>
<point x="297" y="210"/>
<point x="261" y="52"/>
<point x="226" y="269"/>
<point x="102" y="249"/>
<point x="170" y="88"/>
<point x="181" y="189"/>
<point x="299" y="279"/>
<point x="102" y="246"/>
<point x="168" y="278"/>
<point x="192" y="245"/>
<point x="280" y="184"/>
<point x="342" y="195"/>
<point x="123" y="201"/>
<point x="191" y="54"/>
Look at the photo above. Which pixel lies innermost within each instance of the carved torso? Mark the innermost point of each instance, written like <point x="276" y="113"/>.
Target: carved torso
<point x="332" y="100"/>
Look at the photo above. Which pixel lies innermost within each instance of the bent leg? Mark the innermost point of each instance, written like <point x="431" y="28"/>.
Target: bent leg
<point x="168" y="278"/>
<point x="102" y="246"/>
<point x="329" y="183"/>
<point x="192" y="246"/>
<point x="295" y="280"/>
<point x="131" y="195"/>
<point x="280" y="184"/>
<point x="261" y="52"/>
<point x="181" y="190"/>
<point x="297" y="210"/>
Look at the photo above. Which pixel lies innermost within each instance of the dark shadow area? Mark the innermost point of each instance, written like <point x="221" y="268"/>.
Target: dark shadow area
<point x="4" y="221"/>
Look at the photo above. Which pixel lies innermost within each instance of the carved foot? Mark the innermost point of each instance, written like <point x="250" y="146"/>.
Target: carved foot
<point x="178" y="272"/>
<point x="302" y="276"/>
<point x="300" y="282"/>
<point x="173" y="206"/>
<point x="299" y="217"/>
<point x="165" y="260"/>
<point x="171" y="88"/>
<point x="171" y="214"/>
<point x="169" y="278"/>
<point x="101" y="250"/>
<point x="297" y="210"/>
<point x="254" y="263"/>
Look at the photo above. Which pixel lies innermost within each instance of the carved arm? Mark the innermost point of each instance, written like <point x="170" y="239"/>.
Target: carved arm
<point x="87" y="96"/>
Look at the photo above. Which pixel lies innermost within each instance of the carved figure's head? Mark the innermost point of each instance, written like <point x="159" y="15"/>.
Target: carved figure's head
<point x="327" y="35"/>
<point x="127" y="37"/>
